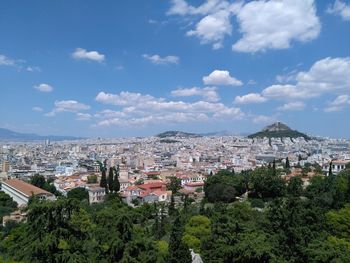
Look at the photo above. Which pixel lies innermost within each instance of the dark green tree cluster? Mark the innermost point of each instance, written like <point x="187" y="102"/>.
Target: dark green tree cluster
<point x="7" y="205"/>
<point x="39" y="181"/>
<point x="294" y="224"/>
<point x="224" y="186"/>
<point x="111" y="184"/>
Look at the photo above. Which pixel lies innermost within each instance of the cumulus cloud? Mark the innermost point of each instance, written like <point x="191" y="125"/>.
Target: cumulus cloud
<point x="67" y="106"/>
<point x="37" y="109"/>
<point x="208" y="93"/>
<point x="250" y="98"/>
<point x="215" y="23"/>
<point x="83" y="116"/>
<point x="292" y="106"/>
<point x="338" y="103"/>
<point x="156" y="59"/>
<point x="326" y="76"/>
<point x="213" y="28"/>
<point x="123" y="98"/>
<point x="44" y="87"/>
<point x="275" y="24"/>
<point x="221" y="77"/>
<point x="263" y="24"/>
<point x="144" y="109"/>
<point x="340" y="8"/>
<point x="83" y="54"/>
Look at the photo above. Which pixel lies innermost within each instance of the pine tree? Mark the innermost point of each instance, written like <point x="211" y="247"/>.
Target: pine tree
<point x="116" y="183"/>
<point x="178" y="250"/>
<point x="110" y="179"/>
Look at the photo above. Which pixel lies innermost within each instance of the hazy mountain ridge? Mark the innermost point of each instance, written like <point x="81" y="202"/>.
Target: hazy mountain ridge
<point x="8" y="135"/>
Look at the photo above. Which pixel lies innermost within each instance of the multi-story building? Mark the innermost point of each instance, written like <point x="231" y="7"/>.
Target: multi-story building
<point x="21" y="191"/>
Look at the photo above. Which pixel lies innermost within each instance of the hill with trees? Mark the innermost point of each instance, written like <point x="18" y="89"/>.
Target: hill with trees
<point x="278" y="130"/>
<point x="178" y="134"/>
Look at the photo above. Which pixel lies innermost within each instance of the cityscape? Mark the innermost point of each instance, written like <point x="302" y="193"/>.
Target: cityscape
<point x="178" y="131"/>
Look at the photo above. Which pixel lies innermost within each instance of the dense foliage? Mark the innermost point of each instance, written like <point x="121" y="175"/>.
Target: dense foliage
<point x="247" y="217"/>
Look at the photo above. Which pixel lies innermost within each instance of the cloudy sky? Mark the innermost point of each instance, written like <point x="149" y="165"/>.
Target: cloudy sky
<point x="136" y="68"/>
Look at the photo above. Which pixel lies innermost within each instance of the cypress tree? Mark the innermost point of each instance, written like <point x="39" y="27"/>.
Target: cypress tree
<point x="116" y="183"/>
<point x="178" y="250"/>
<point x="330" y="172"/>
<point x="287" y="163"/>
<point x="103" y="181"/>
<point x="110" y="179"/>
<point x="171" y="208"/>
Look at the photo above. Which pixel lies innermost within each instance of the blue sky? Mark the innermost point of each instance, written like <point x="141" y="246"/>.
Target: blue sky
<point x="136" y="68"/>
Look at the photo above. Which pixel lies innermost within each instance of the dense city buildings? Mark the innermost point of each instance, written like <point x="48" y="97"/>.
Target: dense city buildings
<point x="146" y="164"/>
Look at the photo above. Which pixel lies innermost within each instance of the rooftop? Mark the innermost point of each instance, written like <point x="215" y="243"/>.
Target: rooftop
<point x="25" y="188"/>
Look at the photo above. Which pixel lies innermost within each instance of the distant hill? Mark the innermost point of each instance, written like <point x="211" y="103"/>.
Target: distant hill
<point x="177" y="134"/>
<point x="8" y="135"/>
<point x="278" y="130"/>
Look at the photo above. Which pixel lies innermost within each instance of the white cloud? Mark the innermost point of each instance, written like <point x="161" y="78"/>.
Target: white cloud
<point x="5" y="61"/>
<point x="156" y="59"/>
<point x="221" y="77"/>
<point x="67" y="106"/>
<point x="38" y="109"/>
<point x="33" y="69"/>
<point x="44" y="87"/>
<point x="250" y="98"/>
<point x="292" y="106"/>
<point x="340" y="8"/>
<point x="180" y="7"/>
<point x="213" y="28"/>
<point x="262" y="119"/>
<point x="81" y="53"/>
<point x="123" y="98"/>
<point x="83" y="116"/>
<point x="139" y="109"/>
<point x="208" y="93"/>
<point x="215" y="23"/>
<point x="338" y="104"/>
<point x="251" y="82"/>
<point x="275" y="24"/>
<point x="269" y="24"/>
<point x="326" y="76"/>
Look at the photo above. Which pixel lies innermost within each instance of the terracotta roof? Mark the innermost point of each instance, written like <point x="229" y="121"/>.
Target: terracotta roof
<point x="25" y="188"/>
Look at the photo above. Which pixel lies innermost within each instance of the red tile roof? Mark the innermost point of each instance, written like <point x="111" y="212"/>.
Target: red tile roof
<point x="25" y="188"/>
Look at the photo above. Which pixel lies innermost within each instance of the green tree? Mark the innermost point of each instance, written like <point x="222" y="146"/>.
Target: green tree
<point x="295" y="186"/>
<point x="287" y="166"/>
<point x="197" y="230"/>
<point x="38" y="180"/>
<point x="92" y="179"/>
<point x="78" y="193"/>
<point x="103" y="181"/>
<point x="178" y="250"/>
<point x="174" y="184"/>
<point x="110" y="180"/>
<point x="171" y="208"/>
<point x="116" y="183"/>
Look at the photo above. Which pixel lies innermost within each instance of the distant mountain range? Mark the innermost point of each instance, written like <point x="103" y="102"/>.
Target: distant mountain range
<point x="8" y="135"/>
<point x="181" y="134"/>
<point x="278" y="130"/>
